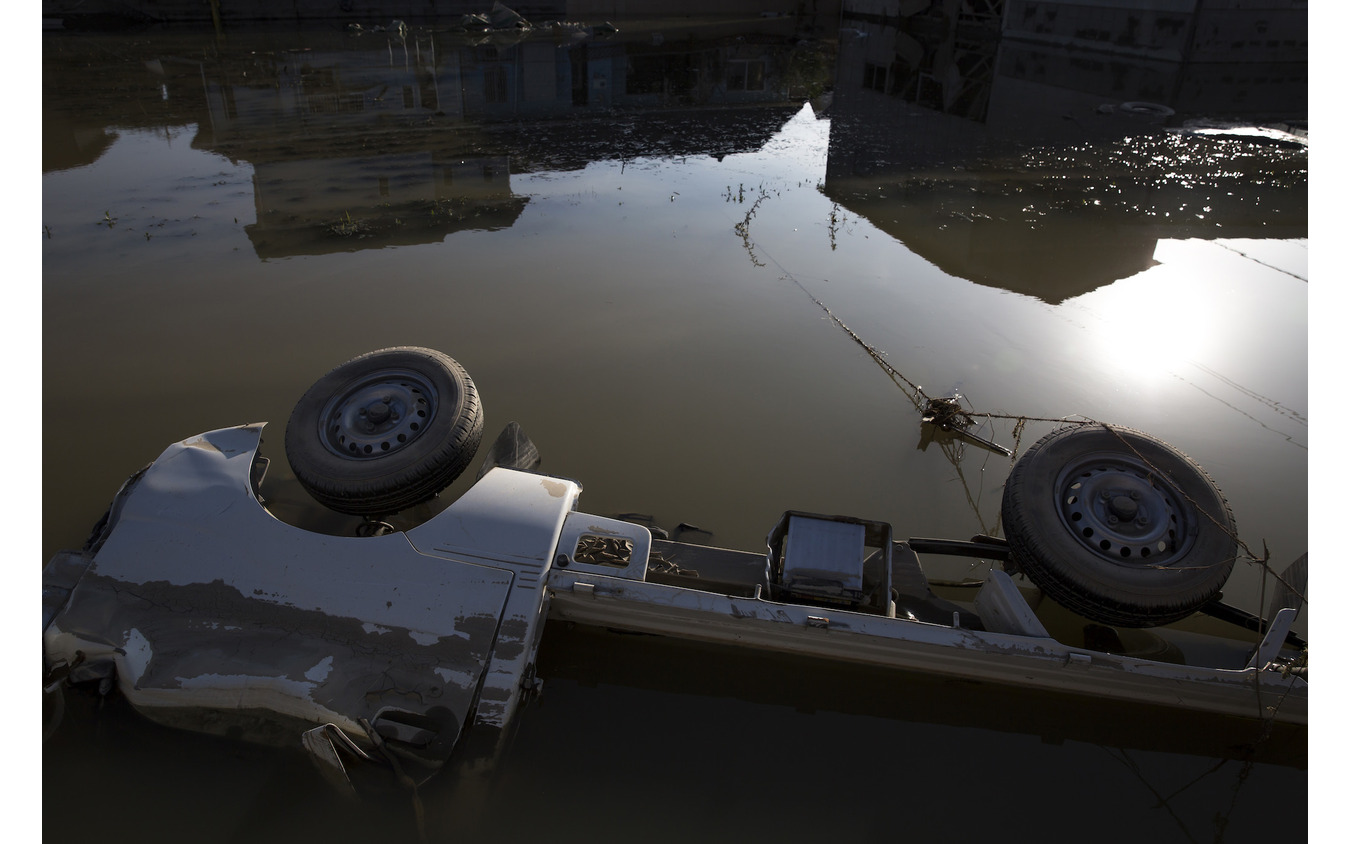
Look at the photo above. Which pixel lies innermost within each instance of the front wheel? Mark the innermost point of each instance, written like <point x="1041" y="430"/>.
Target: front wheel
<point x="385" y="430"/>
<point x="1118" y="526"/>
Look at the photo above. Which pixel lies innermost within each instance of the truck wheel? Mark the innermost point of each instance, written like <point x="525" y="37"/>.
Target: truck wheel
<point x="1118" y="526"/>
<point x="385" y="430"/>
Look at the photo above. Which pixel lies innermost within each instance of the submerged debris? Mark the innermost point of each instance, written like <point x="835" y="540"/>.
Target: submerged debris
<point x="498" y="19"/>
<point x="947" y="414"/>
<point x="503" y="18"/>
<point x="348" y="227"/>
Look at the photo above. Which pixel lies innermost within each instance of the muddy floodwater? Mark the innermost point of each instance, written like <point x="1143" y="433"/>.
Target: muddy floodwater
<point x="715" y="269"/>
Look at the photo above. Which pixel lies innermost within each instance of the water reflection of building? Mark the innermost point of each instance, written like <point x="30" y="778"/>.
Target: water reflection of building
<point x="366" y="141"/>
<point x="977" y="145"/>
<point x="79" y="13"/>
<point x="976" y="132"/>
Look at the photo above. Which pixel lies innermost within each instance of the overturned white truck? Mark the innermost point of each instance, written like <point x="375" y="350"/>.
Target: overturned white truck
<point x="381" y="651"/>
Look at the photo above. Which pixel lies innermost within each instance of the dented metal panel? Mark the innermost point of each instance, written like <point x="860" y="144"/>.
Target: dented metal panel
<point x="514" y="519"/>
<point x="220" y="618"/>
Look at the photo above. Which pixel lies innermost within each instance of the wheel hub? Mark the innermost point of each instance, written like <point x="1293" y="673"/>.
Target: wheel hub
<point x="1124" y="507"/>
<point x="378" y="414"/>
<point x="1121" y="510"/>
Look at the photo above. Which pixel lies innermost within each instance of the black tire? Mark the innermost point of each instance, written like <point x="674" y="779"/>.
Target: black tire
<point x="1118" y="526"/>
<point x="385" y="430"/>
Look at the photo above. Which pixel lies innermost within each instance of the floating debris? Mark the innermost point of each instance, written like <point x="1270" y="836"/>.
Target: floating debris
<point x="946" y="413"/>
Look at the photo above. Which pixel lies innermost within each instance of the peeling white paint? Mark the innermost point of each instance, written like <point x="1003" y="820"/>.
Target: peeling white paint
<point x="190" y="520"/>
<point x="138" y="654"/>
<point x="216" y="625"/>
<point x="241" y="686"/>
<point x="557" y="489"/>
<point x="456" y="678"/>
<point x="202" y="442"/>
<point x="319" y="672"/>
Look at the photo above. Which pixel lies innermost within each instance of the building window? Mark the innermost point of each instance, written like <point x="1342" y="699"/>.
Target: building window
<point x="495" y="87"/>
<point x="874" y="77"/>
<point x="745" y="75"/>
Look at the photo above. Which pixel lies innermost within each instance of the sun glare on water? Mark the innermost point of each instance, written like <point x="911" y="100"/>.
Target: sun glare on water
<point x="1181" y="311"/>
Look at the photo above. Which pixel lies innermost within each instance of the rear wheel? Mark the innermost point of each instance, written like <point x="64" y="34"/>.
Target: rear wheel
<point x="1118" y="526"/>
<point x="385" y="430"/>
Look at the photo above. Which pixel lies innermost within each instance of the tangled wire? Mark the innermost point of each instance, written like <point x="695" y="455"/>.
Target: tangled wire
<point x="946" y="413"/>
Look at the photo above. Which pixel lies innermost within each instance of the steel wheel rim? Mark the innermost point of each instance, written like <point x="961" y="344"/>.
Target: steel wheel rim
<point x="378" y="414"/>
<point x="1122" y="511"/>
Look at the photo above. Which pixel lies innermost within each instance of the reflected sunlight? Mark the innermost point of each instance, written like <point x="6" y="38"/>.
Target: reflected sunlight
<point x="1151" y="322"/>
<point x="804" y="140"/>
<point x="1174" y="313"/>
